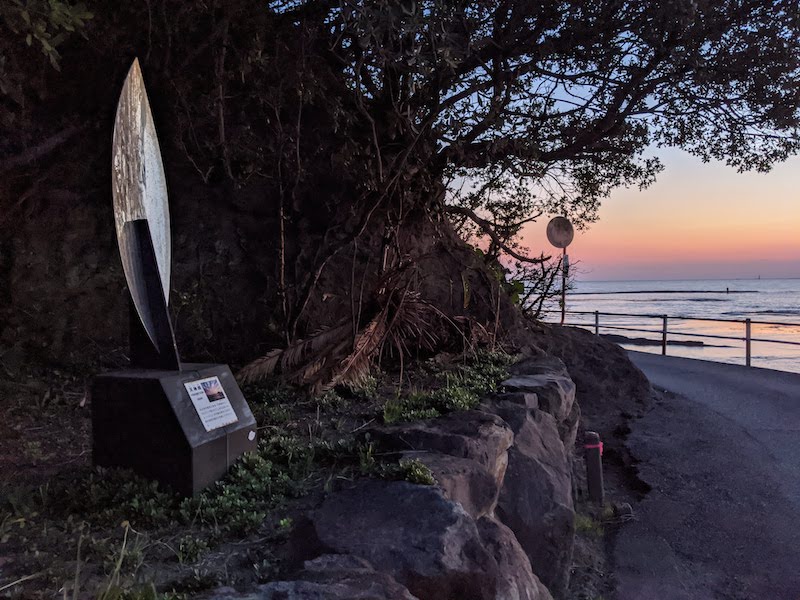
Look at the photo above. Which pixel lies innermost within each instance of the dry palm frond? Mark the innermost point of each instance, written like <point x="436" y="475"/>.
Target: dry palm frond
<point x="474" y="333"/>
<point x="301" y="360"/>
<point x="412" y="322"/>
<point x="356" y="366"/>
<point x="261" y="368"/>
<point x="305" y="351"/>
<point x="335" y="355"/>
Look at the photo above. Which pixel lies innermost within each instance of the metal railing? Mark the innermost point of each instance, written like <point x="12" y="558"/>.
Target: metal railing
<point x="664" y="331"/>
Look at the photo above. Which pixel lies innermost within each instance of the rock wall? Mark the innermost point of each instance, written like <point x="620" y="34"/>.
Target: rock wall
<point x="499" y="524"/>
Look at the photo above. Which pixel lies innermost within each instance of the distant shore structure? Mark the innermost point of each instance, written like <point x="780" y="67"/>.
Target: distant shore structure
<point x="727" y="291"/>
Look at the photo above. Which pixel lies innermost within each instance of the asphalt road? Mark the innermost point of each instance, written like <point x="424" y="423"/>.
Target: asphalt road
<point x="721" y="450"/>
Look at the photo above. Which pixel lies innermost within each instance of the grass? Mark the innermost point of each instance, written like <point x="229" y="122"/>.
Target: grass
<point x="158" y="524"/>
<point x="85" y="513"/>
<point x="460" y="388"/>
<point x="588" y="526"/>
<point x="416" y="472"/>
<point x="590" y="520"/>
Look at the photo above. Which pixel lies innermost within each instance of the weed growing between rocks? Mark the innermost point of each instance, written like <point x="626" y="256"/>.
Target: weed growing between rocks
<point x="589" y="525"/>
<point x="416" y="472"/>
<point x="461" y="388"/>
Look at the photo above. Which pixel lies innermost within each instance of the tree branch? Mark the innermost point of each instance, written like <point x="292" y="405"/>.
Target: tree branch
<point x="43" y="148"/>
<point x="488" y="228"/>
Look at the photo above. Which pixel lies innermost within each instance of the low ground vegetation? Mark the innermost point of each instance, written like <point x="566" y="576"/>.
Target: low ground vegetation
<point x="73" y="530"/>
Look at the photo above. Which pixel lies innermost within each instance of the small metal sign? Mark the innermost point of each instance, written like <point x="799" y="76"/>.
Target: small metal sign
<point x="560" y="232"/>
<point x="211" y="403"/>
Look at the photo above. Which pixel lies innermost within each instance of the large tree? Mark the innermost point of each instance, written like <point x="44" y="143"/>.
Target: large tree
<point x="320" y="152"/>
<point x="554" y="104"/>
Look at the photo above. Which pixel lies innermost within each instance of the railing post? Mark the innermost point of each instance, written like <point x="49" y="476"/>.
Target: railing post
<point x="596" y="323"/>
<point x="747" y="342"/>
<point x="664" y="336"/>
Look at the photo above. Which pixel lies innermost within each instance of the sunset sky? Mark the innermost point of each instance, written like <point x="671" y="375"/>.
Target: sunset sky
<point x="697" y="221"/>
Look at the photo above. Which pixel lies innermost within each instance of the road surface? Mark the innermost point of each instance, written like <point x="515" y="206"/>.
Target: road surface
<point x="721" y="450"/>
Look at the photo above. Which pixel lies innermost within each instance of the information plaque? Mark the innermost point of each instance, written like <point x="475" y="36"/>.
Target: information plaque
<point x="211" y="403"/>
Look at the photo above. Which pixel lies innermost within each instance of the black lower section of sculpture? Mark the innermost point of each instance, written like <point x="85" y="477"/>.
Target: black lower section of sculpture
<point x="152" y="339"/>
<point x="147" y="421"/>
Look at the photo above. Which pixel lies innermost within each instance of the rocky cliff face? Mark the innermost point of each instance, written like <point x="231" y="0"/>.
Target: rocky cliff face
<point x="499" y="523"/>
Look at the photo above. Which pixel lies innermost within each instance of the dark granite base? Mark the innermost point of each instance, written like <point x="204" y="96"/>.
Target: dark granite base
<point x="144" y="420"/>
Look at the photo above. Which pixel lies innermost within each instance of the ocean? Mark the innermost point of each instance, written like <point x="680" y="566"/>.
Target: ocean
<point x="773" y="305"/>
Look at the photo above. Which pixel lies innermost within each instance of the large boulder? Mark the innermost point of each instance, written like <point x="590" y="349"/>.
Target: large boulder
<point x="516" y="580"/>
<point x="535" y="501"/>
<point x="537" y="364"/>
<point x="473" y="434"/>
<point x="463" y="480"/>
<point x="610" y="388"/>
<point x="414" y="533"/>
<point x="466" y="451"/>
<point x="568" y="429"/>
<point x="555" y="391"/>
<point x="425" y="541"/>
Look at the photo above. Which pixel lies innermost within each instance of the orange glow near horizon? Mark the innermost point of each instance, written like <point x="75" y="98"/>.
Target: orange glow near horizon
<point x="697" y="221"/>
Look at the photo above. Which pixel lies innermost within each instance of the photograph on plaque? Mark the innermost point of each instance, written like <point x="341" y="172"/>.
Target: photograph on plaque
<point x="211" y="403"/>
<point x="213" y="389"/>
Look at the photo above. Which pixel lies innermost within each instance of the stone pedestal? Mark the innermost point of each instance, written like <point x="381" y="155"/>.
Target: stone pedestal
<point x="177" y="427"/>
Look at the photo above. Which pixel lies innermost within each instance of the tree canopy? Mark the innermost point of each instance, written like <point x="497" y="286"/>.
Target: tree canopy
<point x="342" y="139"/>
<point x="551" y="105"/>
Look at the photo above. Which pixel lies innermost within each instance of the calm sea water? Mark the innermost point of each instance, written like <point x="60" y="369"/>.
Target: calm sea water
<point x="771" y="304"/>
